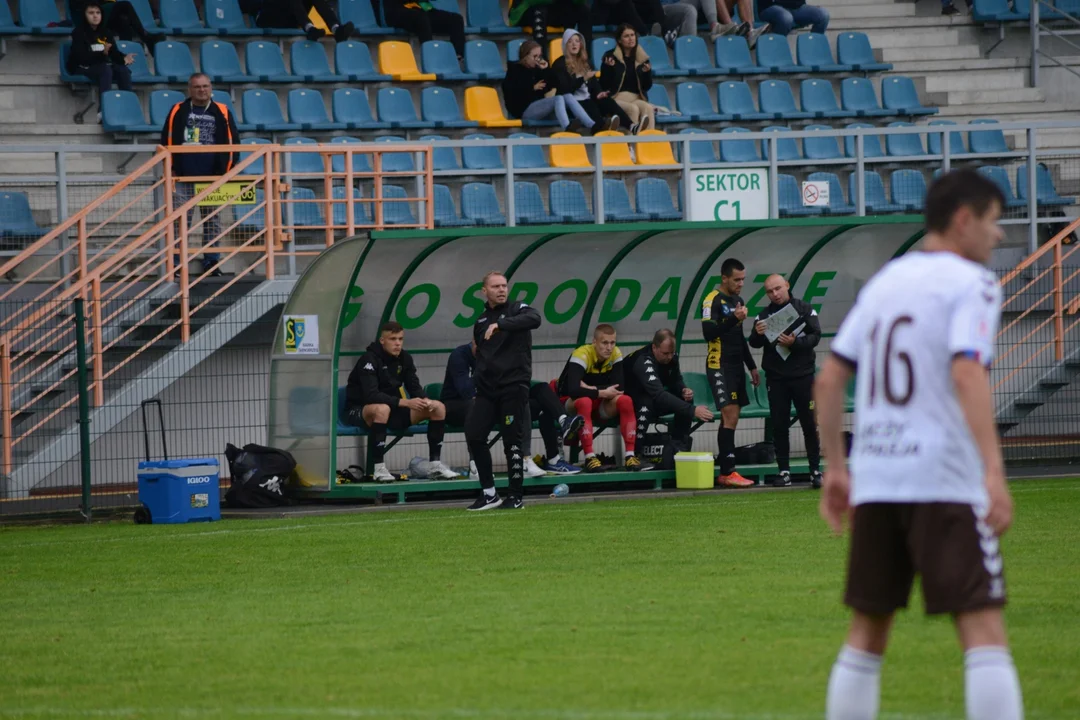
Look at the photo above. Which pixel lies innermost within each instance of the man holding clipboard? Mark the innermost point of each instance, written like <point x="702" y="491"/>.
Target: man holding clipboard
<point x="788" y="330"/>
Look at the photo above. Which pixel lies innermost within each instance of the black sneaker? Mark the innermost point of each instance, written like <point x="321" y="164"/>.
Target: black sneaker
<point x="783" y="479"/>
<point x="950" y="9"/>
<point x="313" y="33"/>
<point x="743" y="29"/>
<point x="486" y="503"/>
<point x="512" y="502"/>
<point x="569" y="428"/>
<point x="344" y="32"/>
<point x="816" y="479"/>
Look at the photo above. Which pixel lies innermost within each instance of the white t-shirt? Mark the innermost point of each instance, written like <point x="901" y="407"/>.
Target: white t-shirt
<point x="912" y="442"/>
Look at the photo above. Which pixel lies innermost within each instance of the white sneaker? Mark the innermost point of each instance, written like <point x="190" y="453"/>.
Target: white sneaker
<point x="474" y="474"/>
<point x="439" y="471"/>
<point x="381" y="474"/>
<point x="532" y="469"/>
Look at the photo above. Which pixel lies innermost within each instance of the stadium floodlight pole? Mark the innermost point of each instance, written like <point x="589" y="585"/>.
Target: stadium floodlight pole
<point x="1032" y="189"/>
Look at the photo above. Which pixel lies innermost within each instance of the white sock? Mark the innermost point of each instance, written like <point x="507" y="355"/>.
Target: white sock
<point x="854" y="686"/>
<point x="562" y="419"/>
<point x="991" y="686"/>
<point x="489" y="492"/>
<point x="589" y="455"/>
<point x="554" y="459"/>
<point x="628" y="454"/>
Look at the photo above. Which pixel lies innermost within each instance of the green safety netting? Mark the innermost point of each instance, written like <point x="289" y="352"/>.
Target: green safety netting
<point x="638" y="277"/>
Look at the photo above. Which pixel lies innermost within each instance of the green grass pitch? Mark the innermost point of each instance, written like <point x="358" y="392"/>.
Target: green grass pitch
<point x="722" y="606"/>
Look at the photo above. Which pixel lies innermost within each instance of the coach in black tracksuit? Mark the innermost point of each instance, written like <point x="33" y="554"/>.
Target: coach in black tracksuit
<point x="503" y="337"/>
<point x="790" y="380"/>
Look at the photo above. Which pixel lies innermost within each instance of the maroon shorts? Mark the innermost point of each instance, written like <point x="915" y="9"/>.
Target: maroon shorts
<point x="955" y="554"/>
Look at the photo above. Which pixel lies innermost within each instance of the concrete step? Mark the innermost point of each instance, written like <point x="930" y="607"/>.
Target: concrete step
<point x="910" y="67"/>
<point x="890" y="22"/>
<point x="41" y="133"/>
<point x="1048" y="139"/>
<point x="976" y="80"/>
<point x="45" y="164"/>
<point x="924" y="38"/>
<point x="878" y="10"/>
<point x="993" y="97"/>
<point x="8" y="117"/>
<point x="7" y="99"/>
<point x="944" y="52"/>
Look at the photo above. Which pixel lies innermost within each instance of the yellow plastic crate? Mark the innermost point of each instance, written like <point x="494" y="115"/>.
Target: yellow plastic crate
<point x="693" y="470"/>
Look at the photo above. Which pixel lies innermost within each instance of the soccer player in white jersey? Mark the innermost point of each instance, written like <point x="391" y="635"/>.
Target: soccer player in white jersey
<point x="926" y="492"/>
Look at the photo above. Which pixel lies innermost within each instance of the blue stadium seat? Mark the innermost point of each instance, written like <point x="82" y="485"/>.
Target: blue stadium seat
<point x="35" y="17"/>
<point x="446" y="214"/>
<point x="219" y="60"/>
<point x="439" y="106"/>
<point x="351" y="107"/>
<point x="482" y="155"/>
<point x="258" y="167"/>
<point x="987" y="141"/>
<point x="778" y="102"/>
<point x="439" y="58"/>
<point x="122" y="113"/>
<point x="1045" y="13"/>
<point x="7" y="24"/>
<point x="304" y="162"/>
<point x="789" y="198"/>
<point x="692" y="57"/>
<point x="527" y="157"/>
<point x="904" y="145"/>
<point x="398" y="161"/>
<point x="486" y="16"/>
<point x="480" y="205"/>
<point x="997" y="11"/>
<point x="307" y="212"/>
<point x="701" y="151"/>
<point x="871" y="143"/>
<point x="482" y="60"/>
<point x="1045" y="192"/>
<point x="224" y="18"/>
<point x="738" y="150"/>
<point x="140" y="70"/>
<point x="361" y="162"/>
<point x="873" y="194"/>
<point x="853" y="48"/>
<point x="353" y="60"/>
<point x="815" y="55"/>
<point x="1001" y="179"/>
<point x="567" y="201"/>
<point x="617" y="203"/>
<point x="908" y="188"/>
<point x="898" y="94"/>
<point x="309" y="63"/>
<point x="652" y="197"/>
<point x="838" y="205"/>
<point x="262" y="111"/>
<point x="774" y="54"/>
<point x="360" y="212"/>
<point x="251" y="220"/>
<point x="144" y="12"/>
<point x="657" y="51"/>
<point x="65" y="76"/>
<point x="443" y="158"/>
<point x="529" y="205"/>
<point x="307" y="109"/>
<point x="16" y="218"/>
<point x="600" y="46"/>
<point x="657" y="95"/>
<point x="817" y="98"/>
<point x="736" y="102"/>
<point x="821" y="148"/>
<point x="223" y="97"/>
<point x="161" y="104"/>
<point x="395" y="106"/>
<point x="733" y="56"/>
<point x="956" y="140"/>
<point x="264" y="61"/>
<point x="858" y="94"/>
<point x="694" y="102"/>
<point x="396" y="213"/>
<point x="362" y="15"/>
<point x="514" y="47"/>
<point x="787" y="148"/>
<point x="179" y="17"/>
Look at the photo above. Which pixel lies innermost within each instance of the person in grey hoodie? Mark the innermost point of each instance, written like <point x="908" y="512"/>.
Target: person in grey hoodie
<point x="574" y="76"/>
<point x="529" y="91"/>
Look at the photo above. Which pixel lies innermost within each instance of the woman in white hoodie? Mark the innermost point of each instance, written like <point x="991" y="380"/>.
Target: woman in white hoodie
<point x="574" y="76"/>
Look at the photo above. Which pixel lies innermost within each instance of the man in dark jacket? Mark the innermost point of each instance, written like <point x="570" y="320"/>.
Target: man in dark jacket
<point x="384" y="393"/>
<point x="503" y="337"/>
<point x="789" y="365"/>
<point x="655" y="382"/>
<point x="199" y="120"/>
<point x="95" y="55"/>
<point x="288" y="14"/>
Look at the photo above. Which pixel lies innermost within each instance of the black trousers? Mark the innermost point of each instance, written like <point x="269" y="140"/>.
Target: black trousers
<point x="107" y="73"/>
<point x="423" y="24"/>
<point x="648" y="409"/>
<point x="509" y="409"/>
<point x="600" y="108"/>
<point x="457" y="411"/>
<point x="782" y="393"/>
<point x="563" y="13"/>
<point x="623" y="11"/>
<point x="545" y="406"/>
<point x="294" y="13"/>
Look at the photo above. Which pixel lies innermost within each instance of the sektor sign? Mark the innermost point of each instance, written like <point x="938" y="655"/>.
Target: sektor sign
<point x="722" y="194"/>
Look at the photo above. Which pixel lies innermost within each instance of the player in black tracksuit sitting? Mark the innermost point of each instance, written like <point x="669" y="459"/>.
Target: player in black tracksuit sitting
<point x="655" y="382"/>
<point x="384" y="392"/>
<point x="503" y="337"/>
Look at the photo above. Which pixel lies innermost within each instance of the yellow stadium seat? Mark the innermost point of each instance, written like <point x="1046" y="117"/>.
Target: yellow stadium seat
<point x="568" y="156"/>
<point x="614" y="154"/>
<point x="482" y="105"/>
<point x="396" y="59"/>
<point x="554" y="49"/>
<point x="655" y="153"/>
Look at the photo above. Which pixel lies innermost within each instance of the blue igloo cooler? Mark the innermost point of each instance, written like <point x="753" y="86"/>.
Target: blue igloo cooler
<point x="180" y="491"/>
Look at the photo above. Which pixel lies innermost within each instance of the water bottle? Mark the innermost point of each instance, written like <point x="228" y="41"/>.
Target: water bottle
<point x="560" y="490"/>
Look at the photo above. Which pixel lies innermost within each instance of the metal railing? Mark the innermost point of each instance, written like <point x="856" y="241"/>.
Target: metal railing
<point x="1037" y="29"/>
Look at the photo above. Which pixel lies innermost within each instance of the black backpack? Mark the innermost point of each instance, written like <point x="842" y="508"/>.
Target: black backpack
<point x="259" y="476"/>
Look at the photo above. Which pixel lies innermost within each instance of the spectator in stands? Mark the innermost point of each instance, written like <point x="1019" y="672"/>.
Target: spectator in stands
<point x="786" y="15"/>
<point x="592" y="385"/>
<point x="645" y="16"/>
<point x="529" y="91"/>
<point x="288" y="14"/>
<point x="538" y="14"/>
<point x="199" y="120"/>
<point x="680" y="18"/>
<point x="94" y="54"/>
<point x="627" y="75"/>
<point x="376" y="398"/>
<point x="655" y="383"/>
<point x="422" y="19"/>
<point x="574" y="76"/>
<point x="120" y="17"/>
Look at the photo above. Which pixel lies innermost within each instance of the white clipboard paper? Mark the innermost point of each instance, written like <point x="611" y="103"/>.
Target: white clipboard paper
<point x="777" y="323"/>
